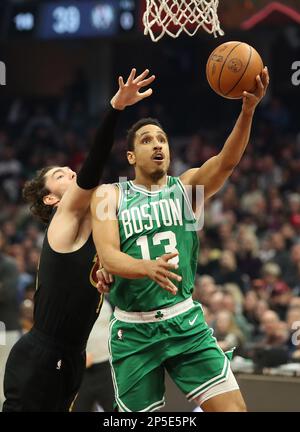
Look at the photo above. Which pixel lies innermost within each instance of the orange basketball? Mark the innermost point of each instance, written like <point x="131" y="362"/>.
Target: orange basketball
<point x="232" y="68"/>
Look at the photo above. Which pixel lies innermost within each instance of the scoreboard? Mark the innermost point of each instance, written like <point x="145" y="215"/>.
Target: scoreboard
<point x="72" y="19"/>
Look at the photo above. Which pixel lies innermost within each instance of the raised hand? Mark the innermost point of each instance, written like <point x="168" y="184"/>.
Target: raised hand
<point x="129" y="93"/>
<point x="251" y="100"/>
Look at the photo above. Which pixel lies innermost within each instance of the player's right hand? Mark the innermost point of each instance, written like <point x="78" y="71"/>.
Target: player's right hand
<point x="159" y="271"/>
<point x="250" y="100"/>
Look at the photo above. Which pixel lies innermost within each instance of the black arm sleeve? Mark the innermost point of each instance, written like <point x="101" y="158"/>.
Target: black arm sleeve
<point x="92" y="168"/>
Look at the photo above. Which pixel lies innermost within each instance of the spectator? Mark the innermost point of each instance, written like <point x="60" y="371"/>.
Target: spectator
<point x="226" y="332"/>
<point x="204" y="288"/>
<point x="231" y="305"/>
<point x="247" y="259"/>
<point x="272" y="283"/>
<point x="216" y="302"/>
<point x="250" y="311"/>
<point x="273" y="333"/>
<point x="293" y="276"/>
<point x="280" y="254"/>
<point x="226" y="271"/>
<point x="280" y="299"/>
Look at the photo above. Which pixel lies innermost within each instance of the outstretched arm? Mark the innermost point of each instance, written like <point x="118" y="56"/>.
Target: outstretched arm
<point x="63" y="230"/>
<point x="77" y="198"/>
<point x="107" y="241"/>
<point x="214" y="172"/>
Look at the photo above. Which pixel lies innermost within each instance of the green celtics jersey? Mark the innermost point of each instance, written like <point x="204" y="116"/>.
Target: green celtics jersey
<point x="152" y="223"/>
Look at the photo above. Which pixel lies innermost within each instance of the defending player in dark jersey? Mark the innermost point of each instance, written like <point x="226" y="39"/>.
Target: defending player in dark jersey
<point x="45" y="367"/>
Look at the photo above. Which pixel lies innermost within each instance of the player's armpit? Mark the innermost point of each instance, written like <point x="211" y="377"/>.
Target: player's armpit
<point x="75" y="201"/>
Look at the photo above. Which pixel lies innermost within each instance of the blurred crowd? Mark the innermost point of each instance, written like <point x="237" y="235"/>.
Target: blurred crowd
<point x="248" y="277"/>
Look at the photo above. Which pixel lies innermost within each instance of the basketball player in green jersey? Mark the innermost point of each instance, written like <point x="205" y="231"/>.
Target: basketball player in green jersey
<point x="153" y="329"/>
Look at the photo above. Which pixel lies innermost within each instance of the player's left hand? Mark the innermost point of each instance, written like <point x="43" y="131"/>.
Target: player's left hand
<point x="251" y="100"/>
<point x="105" y="279"/>
<point x="129" y="93"/>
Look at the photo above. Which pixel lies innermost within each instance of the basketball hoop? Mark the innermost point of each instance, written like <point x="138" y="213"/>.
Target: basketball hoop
<point x="175" y="16"/>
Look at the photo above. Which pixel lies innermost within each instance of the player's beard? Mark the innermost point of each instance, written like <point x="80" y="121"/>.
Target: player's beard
<point x="157" y="175"/>
<point x="154" y="175"/>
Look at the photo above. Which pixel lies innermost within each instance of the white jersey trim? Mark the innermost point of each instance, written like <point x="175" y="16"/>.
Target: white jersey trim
<point x="146" y="191"/>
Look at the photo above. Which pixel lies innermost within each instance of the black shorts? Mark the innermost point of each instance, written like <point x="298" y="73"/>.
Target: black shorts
<point x="42" y="375"/>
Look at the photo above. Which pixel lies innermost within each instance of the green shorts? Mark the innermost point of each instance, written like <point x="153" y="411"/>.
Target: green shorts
<point x="183" y="345"/>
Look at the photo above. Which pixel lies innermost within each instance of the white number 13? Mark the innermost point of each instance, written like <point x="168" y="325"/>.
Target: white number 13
<point x="157" y="239"/>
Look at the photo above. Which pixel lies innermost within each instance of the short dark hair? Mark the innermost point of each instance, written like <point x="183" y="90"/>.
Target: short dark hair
<point x="33" y="193"/>
<point x="131" y="132"/>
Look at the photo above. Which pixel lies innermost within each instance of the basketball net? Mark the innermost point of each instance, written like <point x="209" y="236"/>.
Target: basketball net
<point x="175" y="16"/>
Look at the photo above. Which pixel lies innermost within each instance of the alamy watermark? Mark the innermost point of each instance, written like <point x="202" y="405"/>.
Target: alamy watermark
<point x="296" y="74"/>
<point x="296" y="334"/>
<point x="174" y="208"/>
<point x="2" y="73"/>
<point x="2" y="333"/>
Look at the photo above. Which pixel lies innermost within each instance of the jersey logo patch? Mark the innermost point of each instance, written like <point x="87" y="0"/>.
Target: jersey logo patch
<point x="129" y="195"/>
<point x="172" y="188"/>
<point x="120" y="334"/>
<point x="192" y="322"/>
<point x="93" y="273"/>
<point x="159" y="315"/>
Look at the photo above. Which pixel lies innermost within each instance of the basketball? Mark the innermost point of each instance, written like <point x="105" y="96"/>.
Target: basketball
<point x="232" y="68"/>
